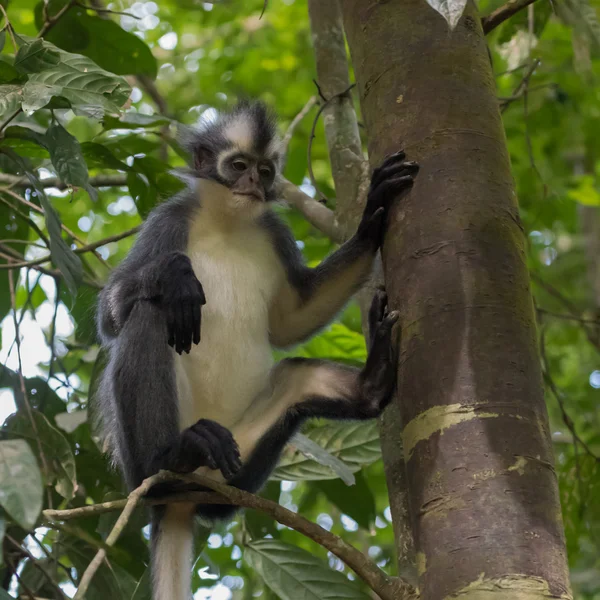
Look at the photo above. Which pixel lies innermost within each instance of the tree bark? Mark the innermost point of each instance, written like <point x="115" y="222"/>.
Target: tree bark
<point x="483" y="493"/>
<point x="351" y="177"/>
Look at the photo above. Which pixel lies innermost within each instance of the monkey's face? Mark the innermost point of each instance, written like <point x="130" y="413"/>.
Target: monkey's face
<point x="248" y="176"/>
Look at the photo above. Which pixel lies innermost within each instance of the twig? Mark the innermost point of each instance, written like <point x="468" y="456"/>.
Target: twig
<point x="113" y="536"/>
<point x="503" y="13"/>
<point x="106" y="10"/>
<point x="54" y="182"/>
<point x="26" y="219"/>
<point x="10" y="29"/>
<point x="582" y="320"/>
<point x="316" y="213"/>
<point x="23" y="386"/>
<point x="312" y="136"/>
<point x="386" y="587"/>
<point x="87" y="248"/>
<point x="557" y="394"/>
<point x="285" y="142"/>
<point x="262" y="12"/>
<point x="567" y="304"/>
<point x="10" y="118"/>
<point x="37" y="565"/>
<point x="50" y="22"/>
<point x="519" y="90"/>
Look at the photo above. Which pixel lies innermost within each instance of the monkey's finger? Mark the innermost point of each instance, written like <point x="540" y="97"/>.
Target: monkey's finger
<point x="218" y="453"/>
<point x="388" y="160"/>
<point x="383" y="173"/>
<point x="197" y="320"/>
<point x="228" y="444"/>
<point x="179" y="327"/>
<point x="200" y="450"/>
<point x="170" y="327"/>
<point x="393" y="188"/>
<point x="188" y="322"/>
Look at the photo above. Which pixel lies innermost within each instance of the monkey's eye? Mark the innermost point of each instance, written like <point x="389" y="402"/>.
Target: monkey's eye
<point x="239" y="165"/>
<point x="265" y="172"/>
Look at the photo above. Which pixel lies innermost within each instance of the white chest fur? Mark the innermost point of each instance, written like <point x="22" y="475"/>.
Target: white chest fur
<point x="240" y="274"/>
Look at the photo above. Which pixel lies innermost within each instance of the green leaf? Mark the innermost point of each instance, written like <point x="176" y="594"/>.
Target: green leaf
<point x="97" y="155"/>
<point x="294" y="573"/>
<point x="35" y="57"/>
<point x="314" y="451"/>
<point x="57" y="450"/>
<point x="356" y="444"/>
<point x="63" y="257"/>
<point x="11" y="96"/>
<point x="67" y="158"/>
<point x="20" y="482"/>
<point x="356" y="501"/>
<point x="102" y="40"/>
<point x="76" y="78"/>
<point x="258" y="523"/>
<point x="2" y="39"/>
<point x="8" y="73"/>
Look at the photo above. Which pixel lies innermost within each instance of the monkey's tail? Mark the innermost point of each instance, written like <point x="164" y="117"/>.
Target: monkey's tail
<point x="172" y="551"/>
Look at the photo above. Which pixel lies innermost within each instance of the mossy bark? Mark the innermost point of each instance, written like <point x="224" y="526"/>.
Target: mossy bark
<point x="482" y="487"/>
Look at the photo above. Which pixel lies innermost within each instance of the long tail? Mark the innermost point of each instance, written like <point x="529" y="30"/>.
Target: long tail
<point x="172" y="551"/>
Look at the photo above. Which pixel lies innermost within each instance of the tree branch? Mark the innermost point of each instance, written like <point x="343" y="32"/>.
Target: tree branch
<point x="54" y="182"/>
<point x="51" y="21"/>
<point x="503" y="13"/>
<point x="317" y="214"/>
<point x="388" y="588"/>
<point x="285" y="142"/>
<point x="87" y="248"/>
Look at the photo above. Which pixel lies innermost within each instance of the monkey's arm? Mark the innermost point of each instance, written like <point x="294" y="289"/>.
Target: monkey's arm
<point x="158" y="251"/>
<point x="310" y="298"/>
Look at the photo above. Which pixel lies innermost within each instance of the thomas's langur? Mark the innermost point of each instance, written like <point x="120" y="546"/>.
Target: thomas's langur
<point x="189" y="318"/>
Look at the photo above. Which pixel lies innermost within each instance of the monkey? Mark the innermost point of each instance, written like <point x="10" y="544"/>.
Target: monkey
<point x="189" y="318"/>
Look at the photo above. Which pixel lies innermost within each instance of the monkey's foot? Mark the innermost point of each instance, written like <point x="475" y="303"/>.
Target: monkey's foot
<point x="208" y="444"/>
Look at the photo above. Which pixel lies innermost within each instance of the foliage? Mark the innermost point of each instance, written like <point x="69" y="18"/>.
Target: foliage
<point x="61" y="114"/>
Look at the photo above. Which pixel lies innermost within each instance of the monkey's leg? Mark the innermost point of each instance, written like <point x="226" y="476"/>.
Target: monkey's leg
<point x="142" y="376"/>
<point x="305" y="388"/>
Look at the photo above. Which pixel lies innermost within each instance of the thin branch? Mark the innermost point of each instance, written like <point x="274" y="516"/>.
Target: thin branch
<point x="523" y="84"/>
<point x="106" y="10"/>
<point x="386" y="587"/>
<point x="582" y="320"/>
<point x="23" y="386"/>
<point x="51" y="21"/>
<point x="37" y="564"/>
<point x="559" y="398"/>
<point x="8" y="26"/>
<point x="54" y="182"/>
<point x="132" y="501"/>
<point x="87" y="248"/>
<point x="285" y="142"/>
<point x="312" y="133"/>
<point x="503" y="13"/>
<point x="567" y="304"/>
<point x="10" y="117"/>
<point x="316" y="213"/>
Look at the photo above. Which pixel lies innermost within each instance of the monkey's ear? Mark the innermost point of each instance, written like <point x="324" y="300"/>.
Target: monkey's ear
<point x="202" y="157"/>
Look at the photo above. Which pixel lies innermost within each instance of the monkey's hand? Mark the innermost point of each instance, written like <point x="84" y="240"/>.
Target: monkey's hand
<point x="182" y="298"/>
<point x="390" y="181"/>
<point x="378" y="378"/>
<point x="204" y="444"/>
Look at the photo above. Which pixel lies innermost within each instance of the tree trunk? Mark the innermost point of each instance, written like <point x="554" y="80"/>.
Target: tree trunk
<point x="482" y="488"/>
<point x="351" y="177"/>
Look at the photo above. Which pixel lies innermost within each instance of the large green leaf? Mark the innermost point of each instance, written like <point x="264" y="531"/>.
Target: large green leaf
<point x="356" y="501"/>
<point x="102" y="40"/>
<point x="57" y="451"/>
<point x="63" y="257"/>
<point x="11" y="96"/>
<point x="293" y="573"/>
<point x="67" y="158"/>
<point x="87" y="87"/>
<point x="20" y="482"/>
<point x="356" y="444"/>
<point x="98" y="155"/>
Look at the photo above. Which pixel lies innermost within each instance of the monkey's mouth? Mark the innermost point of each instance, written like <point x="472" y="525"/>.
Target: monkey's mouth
<point x="254" y="195"/>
